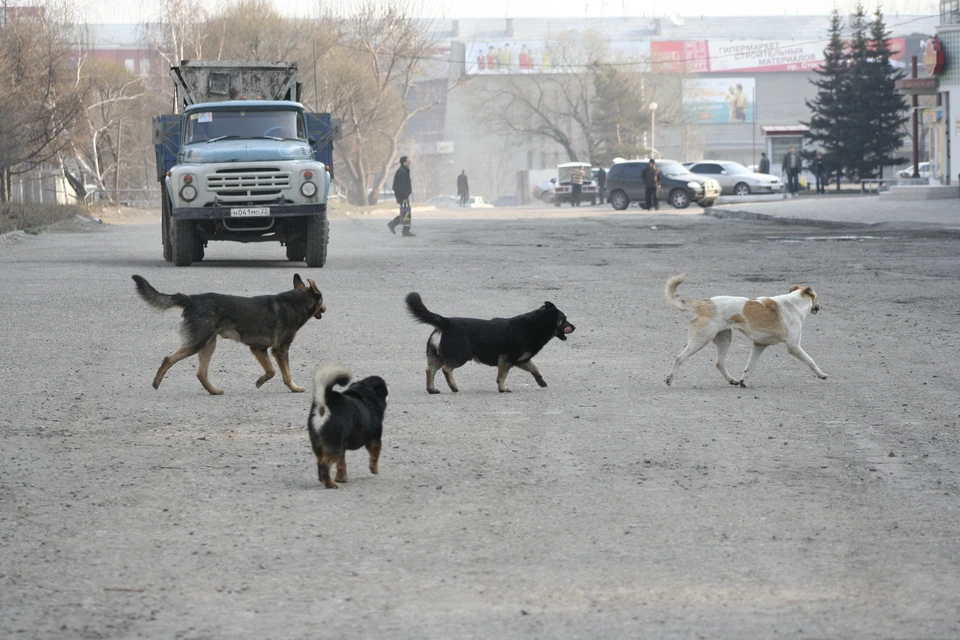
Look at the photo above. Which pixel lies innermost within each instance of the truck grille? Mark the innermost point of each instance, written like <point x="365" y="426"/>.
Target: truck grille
<point x="248" y="184"/>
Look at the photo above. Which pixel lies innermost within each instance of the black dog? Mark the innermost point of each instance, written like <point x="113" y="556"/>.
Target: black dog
<point x="502" y="342"/>
<point x="348" y="420"/>
<point x="260" y="322"/>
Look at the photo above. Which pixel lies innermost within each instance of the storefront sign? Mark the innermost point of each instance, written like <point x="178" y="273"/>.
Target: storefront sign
<point x="933" y="57"/>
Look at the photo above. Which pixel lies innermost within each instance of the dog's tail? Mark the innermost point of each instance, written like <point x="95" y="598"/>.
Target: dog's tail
<point x="324" y="380"/>
<point x="673" y="297"/>
<point x="159" y="300"/>
<point x="421" y="313"/>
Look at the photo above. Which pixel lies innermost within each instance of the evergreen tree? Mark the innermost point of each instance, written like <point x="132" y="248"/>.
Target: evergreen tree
<point x="828" y="122"/>
<point x="619" y="113"/>
<point x="857" y="115"/>
<point x="886" y="113"/>
<point x="856" y="103"/>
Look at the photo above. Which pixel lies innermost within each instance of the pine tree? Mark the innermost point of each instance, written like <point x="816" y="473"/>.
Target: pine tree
<point x="828" y="122"/>
<point x="887" y="110"/>
<point x="856" y="103"/>
<point x="619" y="117"/>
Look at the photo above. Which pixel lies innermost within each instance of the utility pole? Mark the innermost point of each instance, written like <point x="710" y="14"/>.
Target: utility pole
<point x="916" y="125"/>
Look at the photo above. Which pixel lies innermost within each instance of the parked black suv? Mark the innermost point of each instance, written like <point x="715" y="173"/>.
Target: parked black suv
<point x="677" y="185"/>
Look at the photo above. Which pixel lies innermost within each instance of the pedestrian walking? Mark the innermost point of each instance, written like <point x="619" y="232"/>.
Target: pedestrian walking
<point x="764" y="163"/>
<point x="601" y="183"/>
<point x="791" y="166"/>
<point x="463" y="188"/>
<point x="402" y="190"/>
<point x="819" y="171"/>
<point x="576" y="178"/>
<point x="651" y="182"/>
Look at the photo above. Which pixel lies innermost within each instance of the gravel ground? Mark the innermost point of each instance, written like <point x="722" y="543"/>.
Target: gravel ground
<point x="607" y="505"/>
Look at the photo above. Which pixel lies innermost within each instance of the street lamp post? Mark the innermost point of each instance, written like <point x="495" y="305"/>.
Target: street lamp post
<point x="653" y="128"/>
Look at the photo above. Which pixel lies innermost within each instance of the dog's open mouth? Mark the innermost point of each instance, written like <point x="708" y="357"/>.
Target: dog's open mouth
<point x="320" y="310"/>
<point x="566" y="330"/>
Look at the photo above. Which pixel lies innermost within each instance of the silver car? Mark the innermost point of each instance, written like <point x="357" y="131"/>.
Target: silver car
<point x="735" y="179"/>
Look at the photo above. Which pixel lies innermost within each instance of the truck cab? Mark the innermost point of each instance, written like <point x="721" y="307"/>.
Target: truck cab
<point x="243" y="170"/>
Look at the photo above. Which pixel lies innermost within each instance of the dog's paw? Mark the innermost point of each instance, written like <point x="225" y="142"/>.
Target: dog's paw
<point x="453" y="389"/>
<point x="505" y="390"/>
<point x="339" y="479"/>
<point x="541" y="382"/>
<point x="742" y="383"/>
<point x="669" y="380"/>
<point x="823" y="377"/>
<point x="333" y="486"/>
<point x="433" y="391"/>
<point x="296" y="388"/>
<point x="735" y="383"/>
<point x="374" y="470"/>
<point x="215" y="392"/>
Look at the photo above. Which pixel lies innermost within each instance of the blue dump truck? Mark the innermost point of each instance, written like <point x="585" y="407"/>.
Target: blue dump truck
<point x="241" y="160"/>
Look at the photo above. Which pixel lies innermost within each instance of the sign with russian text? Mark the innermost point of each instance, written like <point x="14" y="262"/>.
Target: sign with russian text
<point x="764" y="55"/>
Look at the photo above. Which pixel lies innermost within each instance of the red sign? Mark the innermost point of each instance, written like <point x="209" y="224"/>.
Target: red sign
<point x="933" y="57"/>
<point x="680" y="56"/>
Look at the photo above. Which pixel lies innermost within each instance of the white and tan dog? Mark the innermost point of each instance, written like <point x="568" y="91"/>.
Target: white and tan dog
<point x="766" y="321"/>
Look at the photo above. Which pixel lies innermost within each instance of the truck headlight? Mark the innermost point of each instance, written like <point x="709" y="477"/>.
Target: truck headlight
<point x="694" y="185"/>
<point x="188" y="193"/>
<point x="308" y="189"/>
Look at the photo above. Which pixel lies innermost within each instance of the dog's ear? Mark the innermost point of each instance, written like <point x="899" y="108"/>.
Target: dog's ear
<point x="313" y="287"/>
<point x="297" y="282"/>
<point x="809" y="292"/>
<point x="549" y="305"/>
<point x="794" y="288"/>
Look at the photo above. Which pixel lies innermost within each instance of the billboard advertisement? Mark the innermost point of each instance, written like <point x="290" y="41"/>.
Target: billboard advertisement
<point x="764" y="55"/>
<point x="719" y="100"/>
<point x="680" y="56"/>
<point x="512" y="57"/>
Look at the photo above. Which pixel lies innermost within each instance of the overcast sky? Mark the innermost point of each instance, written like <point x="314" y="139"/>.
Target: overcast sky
<point x="118" y="11"/>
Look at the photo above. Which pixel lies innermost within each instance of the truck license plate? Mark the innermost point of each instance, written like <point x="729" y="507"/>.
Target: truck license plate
<point x="248" y="212"/>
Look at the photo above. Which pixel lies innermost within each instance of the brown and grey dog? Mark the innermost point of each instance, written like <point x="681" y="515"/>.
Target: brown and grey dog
<point x="260" y="322"/>
<point x="766" y="321"/>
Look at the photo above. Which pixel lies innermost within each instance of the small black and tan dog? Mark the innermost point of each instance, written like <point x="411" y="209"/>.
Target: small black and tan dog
<point x="260" y="322"/>
<point x="501" y="342"/>
<point x="347" y="420"/>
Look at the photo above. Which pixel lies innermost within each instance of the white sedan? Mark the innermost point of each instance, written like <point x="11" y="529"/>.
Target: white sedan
<point x="922" y="167"/>
<point x="735" y="179"/>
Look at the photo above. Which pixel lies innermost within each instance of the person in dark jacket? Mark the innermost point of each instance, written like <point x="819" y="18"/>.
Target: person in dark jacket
<point x="764" y="163"/>
<point x="651" y="182"/>
<point x="819" y="168"/>
<point x="463" y="187"/>
<point x="601" y="183"/>
<point x="402" y="189"/>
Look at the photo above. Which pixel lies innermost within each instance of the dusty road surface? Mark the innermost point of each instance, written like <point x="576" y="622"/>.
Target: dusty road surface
<point x="606" y="505"/>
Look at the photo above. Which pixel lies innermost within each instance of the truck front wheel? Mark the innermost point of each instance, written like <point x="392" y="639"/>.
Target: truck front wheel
<point x="184" y="244"/>
<point x="318" y="235"/>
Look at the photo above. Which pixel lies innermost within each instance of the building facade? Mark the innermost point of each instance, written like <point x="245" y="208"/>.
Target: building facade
<point x="742" y="84"/>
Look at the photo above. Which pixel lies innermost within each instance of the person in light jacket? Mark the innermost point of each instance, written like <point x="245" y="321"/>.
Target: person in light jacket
<point x="791" y="166"/>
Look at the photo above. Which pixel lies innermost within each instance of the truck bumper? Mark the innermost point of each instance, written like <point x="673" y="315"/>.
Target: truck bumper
<point x="238" y="213"/>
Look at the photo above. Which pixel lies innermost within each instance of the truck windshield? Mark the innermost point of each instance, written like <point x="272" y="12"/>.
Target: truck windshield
<point x="209" y="125"/>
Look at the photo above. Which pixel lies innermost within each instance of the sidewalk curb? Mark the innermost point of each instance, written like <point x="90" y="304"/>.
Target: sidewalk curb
<point x="749" y="215"/>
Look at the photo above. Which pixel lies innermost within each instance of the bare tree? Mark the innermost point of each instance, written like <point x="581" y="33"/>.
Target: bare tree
<point x="555" y="106"/>
<point x="114" y="98"/>
<point x="382" y="57"/>
<point x="39" y="99"/>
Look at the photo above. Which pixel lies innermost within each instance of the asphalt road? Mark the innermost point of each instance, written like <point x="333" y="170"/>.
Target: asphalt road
<point x="606" y="505"/>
